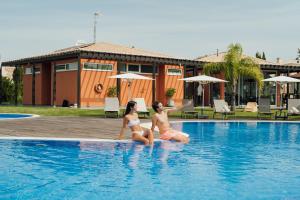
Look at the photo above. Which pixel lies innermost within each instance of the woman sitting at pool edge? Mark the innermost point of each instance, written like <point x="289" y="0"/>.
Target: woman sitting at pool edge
<point x="131" y="119"/>
<point x="160" y="119"/>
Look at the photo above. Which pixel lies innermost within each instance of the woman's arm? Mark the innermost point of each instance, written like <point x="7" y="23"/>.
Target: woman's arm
<point x="154" y="121"/>
<point x="121" y="135"/>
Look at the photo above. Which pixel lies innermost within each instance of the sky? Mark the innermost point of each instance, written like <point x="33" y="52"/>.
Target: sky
<point x="186" y="29"/>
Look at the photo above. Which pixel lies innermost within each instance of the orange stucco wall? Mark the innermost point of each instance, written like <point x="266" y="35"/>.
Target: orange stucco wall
<point x="66" y="84"/>
<point x="89" y="78"/>
<point x="27" y="89"/>
<point x="169" y="81"/>
<point x="139" y="89"/>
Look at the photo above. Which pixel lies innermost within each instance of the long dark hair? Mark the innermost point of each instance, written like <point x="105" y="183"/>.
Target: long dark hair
<point x="155" y="105"/>
<point x="129" y="107"/>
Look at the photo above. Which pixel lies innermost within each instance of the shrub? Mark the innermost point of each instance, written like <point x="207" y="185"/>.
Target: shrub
<point x="170" y="92"/>
<point x="112" y="92"/>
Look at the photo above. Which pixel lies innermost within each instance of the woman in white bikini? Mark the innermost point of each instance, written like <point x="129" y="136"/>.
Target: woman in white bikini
<point x="131" y="119"/>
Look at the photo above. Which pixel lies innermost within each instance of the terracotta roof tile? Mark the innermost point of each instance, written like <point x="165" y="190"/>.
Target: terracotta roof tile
<point x="220" y="58"/>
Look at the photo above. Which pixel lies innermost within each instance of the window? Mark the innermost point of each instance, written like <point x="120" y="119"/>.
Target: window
<point x="133" y="68"/>
<point x="147" y="69"/>
<point x="137" y="68"/>
<point x="122" y="67"/>
<point x="72" y="66"/>
<point x="37" y="70"/>
<point x="28" y="70"/>
<point x="60" y="67"/>
<point x="66" y="67"/>
<point x="98" y="66"/>
<point x="174" y="72"/>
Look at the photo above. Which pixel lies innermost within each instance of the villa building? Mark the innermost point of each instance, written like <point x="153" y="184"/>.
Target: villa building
<point x="73" y="73"/>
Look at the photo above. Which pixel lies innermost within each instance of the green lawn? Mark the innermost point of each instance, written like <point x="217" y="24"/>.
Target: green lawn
<point x="50" y="111"/>
<point x="59" y="111"/>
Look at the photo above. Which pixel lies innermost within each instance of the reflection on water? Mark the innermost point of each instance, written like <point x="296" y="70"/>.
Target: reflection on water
<point x="239" y="160"/>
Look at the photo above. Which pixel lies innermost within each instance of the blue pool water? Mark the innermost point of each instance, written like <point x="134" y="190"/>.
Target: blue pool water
<point x="224" y="160"/>
<point x="13" y="116"/>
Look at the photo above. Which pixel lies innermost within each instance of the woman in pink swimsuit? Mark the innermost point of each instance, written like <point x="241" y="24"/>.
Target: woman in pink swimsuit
<point x="131" y="119"/>
<point x="160" y="119"/>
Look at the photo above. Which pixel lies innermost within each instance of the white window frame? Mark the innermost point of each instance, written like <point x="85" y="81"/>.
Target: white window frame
<point x="66" y="70"/>
<point x="135" y="65"/>
<point x="30" y="73"/>
<point x="140" y="66"/>
<point x="101" y="70"/>
<point x="172" y="73"/>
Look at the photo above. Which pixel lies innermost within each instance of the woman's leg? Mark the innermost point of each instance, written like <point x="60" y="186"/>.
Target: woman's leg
<point x="140" y="138"/>
<point x="149" y="134"/>
<point x="178" y="136"/>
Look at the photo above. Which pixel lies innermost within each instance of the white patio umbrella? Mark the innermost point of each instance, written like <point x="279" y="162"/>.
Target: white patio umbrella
<point x="203" y="79"/>
<point x="281" y="80"/>
<point x="129" y="77"/>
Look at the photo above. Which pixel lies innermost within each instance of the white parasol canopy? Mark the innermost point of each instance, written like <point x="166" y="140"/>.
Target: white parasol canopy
<point x="203" y="79"/>
<point x="129" y="77"/>
<point x="282" y="80"/>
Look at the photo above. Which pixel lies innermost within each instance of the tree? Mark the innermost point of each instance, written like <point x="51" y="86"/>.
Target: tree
<point x="263" y="56"/>
<point x="258" y="55"/>
<point x="7" y="90"/>
<point x="234" y="66"/>
<point x="298" y="58"/>
<point x="18" y="84"/>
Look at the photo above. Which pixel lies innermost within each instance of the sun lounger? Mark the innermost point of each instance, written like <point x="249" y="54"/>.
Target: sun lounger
<point x="251" y="107"/>
<point x="293" y="107"/>
<point x="188" y="110"/>
<point x="264" y="108"/>
<point x="221" y="107"/>
<point x="111" y="107"/>
<point x="141" y="107"/>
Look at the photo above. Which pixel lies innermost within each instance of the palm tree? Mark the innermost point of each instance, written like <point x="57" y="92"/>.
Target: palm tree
<point x="234" y="66"/>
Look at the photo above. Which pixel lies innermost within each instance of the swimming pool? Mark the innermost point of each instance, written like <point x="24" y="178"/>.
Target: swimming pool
<point x="4" y="116"/>
<point x="224" y="160"/>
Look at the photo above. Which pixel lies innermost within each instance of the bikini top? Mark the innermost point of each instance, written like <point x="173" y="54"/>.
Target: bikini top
<point x="133" y="122"/>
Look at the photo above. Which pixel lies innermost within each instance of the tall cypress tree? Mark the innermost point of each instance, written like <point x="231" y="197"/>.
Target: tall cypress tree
<point x="263" y="56"/>
<point x="258" y="55"/>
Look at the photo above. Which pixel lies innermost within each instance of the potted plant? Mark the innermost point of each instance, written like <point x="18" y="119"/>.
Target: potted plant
<point x="112" y="91"/>
<point x="169" y="94"/>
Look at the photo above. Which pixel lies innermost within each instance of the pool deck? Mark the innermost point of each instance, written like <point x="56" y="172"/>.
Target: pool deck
<point x="64" y="127"/>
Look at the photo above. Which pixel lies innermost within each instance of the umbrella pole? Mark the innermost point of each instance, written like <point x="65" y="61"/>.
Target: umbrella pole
<point x="202" y="85"/>
<point x="281" y="100"/>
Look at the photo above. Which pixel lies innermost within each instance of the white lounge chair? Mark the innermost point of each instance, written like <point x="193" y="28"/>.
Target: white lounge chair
<point x="141" y="107"/>
<point x="221" y="107"/>
<point x="264" y="108"/>
<point x="188" y="110"/>
<point x="293" y="107"/>
<point x="111" y="107"/>
<point x="251" y="107"/>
